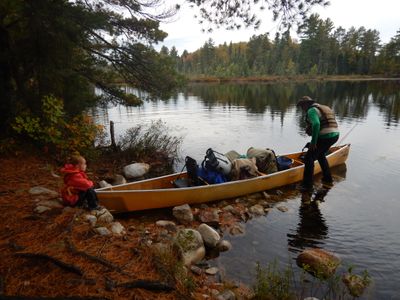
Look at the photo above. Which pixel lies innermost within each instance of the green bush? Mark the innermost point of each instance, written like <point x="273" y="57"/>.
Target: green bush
<point x="54" y="132"/>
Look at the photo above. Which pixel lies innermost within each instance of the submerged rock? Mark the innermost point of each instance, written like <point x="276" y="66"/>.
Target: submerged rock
<point x="318" y="262"/>
<point x="257" y="210"/>
<point x="356" y="284"/>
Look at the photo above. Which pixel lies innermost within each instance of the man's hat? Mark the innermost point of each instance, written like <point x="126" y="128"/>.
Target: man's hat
<point x="305" y="100"/>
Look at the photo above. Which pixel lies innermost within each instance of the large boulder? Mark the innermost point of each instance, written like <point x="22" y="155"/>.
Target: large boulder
<point x="190" y="245"/>
<point x="136" y="170"/>
<point x="210" y="236"/>
<point x="318" y="262"/>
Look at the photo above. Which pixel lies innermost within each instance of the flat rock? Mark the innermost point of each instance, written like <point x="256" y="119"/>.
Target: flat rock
<point x="40" y="190"/>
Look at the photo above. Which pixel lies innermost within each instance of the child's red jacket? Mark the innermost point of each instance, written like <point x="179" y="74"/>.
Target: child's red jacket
<point x="75" y="181"/>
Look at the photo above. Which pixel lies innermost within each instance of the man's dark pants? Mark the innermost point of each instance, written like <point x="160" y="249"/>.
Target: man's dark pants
<point x="319" y="153"/>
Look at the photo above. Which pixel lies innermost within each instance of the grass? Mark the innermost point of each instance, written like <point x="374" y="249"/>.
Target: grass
<point x="272" y="282"/>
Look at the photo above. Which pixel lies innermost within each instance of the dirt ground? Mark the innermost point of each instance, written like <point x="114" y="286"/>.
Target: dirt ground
<point x="56" y="255"/>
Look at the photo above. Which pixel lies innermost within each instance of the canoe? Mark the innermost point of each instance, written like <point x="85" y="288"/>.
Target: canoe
<point x="160" y="192"/>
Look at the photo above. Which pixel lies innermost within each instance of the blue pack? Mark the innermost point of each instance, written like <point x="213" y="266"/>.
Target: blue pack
<point x="211" y="176"/>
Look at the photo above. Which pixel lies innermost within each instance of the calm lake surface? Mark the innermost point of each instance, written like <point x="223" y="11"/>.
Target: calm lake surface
<point x="359" y="217"/>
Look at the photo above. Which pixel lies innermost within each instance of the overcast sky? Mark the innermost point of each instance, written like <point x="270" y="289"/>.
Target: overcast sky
<point x="382" y="15"/>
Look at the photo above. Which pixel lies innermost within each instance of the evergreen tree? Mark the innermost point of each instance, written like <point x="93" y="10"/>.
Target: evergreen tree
<point x="63" y="48"/>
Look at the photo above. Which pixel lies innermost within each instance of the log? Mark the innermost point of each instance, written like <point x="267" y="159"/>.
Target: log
<point x="3" y="297"/>
<point x="56" y="261"/>
<point x="148" y="285"/>
<point x="99" y="260"/>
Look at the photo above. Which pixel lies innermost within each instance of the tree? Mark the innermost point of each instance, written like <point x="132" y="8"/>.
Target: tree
<point x="389" y="57"/>
<point x="233" y="14"/>
<point x="63" y="48"/>
<point x="316" y="42"/>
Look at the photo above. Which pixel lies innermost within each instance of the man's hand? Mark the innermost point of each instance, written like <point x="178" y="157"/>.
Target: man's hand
<point x="312" y="147"/>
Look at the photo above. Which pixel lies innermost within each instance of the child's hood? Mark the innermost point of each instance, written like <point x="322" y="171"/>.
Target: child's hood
<point x="69" y="169"/>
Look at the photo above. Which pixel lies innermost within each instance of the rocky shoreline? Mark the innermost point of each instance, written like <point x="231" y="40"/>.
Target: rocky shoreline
<point x="48" y="250"/>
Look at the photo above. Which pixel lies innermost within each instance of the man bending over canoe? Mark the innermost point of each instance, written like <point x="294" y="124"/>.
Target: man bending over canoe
<point x="324" y="132"/>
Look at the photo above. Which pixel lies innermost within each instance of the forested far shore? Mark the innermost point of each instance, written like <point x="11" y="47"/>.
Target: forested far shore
<point x="292" y="78"/>
<point x="321" y="49"/>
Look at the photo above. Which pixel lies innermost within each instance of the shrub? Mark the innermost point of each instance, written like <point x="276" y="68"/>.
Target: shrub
<point x="54" y="132"/>
<point x="143" y="143"/>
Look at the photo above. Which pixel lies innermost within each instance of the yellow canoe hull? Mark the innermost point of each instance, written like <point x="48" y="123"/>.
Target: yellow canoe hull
<point x="159" y="192"/>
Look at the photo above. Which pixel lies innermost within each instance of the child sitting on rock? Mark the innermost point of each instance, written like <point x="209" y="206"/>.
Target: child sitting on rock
<point x="78" y="189"/>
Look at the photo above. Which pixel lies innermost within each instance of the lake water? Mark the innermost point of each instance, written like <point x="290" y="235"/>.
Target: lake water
<point x="359" y="217"/>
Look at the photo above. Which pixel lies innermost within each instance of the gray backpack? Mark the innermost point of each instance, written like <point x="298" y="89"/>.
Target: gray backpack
<point x="265" y="159"/>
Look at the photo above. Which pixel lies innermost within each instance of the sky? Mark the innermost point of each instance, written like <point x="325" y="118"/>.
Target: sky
<point x="384" y="15"/>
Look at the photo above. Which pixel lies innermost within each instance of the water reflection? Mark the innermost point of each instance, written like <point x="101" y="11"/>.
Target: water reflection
<point x="349" y="99"/>
<point x="312" y="229"/>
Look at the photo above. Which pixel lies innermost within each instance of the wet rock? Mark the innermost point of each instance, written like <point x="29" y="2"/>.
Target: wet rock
<point x="40" y="190"/>
<point x="209" y="235"/>
<point x="190" y="243"/>
<point x="355" y="284"/>
<point x="224" y="245"/>
<point x="183" y="213"/>
<point x="257" y="210"/>
<point x="282" y="208"/>
<point x="318" y="262"/>
<point x="212" y="271"/>
<point x="136" y="170"/>
<point x="209" y="217"/>
<point x="237" y="229"/>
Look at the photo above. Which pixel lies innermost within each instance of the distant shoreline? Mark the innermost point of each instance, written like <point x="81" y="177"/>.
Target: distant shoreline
<point x="274" y="79"/>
